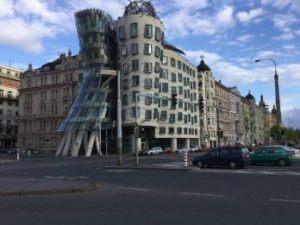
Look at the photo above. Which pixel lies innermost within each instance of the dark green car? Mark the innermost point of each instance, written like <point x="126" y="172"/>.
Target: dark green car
<point x="273" y="154"/>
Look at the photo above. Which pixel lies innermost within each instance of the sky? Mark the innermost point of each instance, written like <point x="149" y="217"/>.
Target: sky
<point x="230" y="34"/>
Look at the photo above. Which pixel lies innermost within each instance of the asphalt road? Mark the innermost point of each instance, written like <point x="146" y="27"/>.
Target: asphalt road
<point x="255" y="195"/>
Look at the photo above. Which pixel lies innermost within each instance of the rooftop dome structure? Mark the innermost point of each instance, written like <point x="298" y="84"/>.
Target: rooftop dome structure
<point x="140" y="6"/>
<point x="274" y="111"/>
<point x="249" y="96"/>
<point x="262" y="102"/>
<point x="202" y="67"/>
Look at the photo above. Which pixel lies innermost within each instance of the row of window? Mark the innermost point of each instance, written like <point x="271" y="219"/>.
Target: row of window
<point x="180" y="65"/>
<point x="148" y="32"/>
<point x="148" y="50"/>
<point x="180" y="130"/>
<point x="164" y="116"/>
<point x="9" y="113"/>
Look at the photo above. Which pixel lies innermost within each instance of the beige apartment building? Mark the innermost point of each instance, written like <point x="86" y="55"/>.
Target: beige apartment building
<point x="207" y="112"/>
<point x="223" y="104"/>
<point x="46" y="94"/>
<point x="9" y="105"/>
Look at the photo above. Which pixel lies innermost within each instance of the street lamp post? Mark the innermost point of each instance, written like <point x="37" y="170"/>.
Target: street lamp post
<point x="277" y="95"/>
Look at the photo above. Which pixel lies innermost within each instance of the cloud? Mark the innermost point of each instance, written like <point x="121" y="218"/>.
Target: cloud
<point x="246" y="17"/>
<point x="267" y="54"/>
<point x="284" y="37"/>
<point x="291" y="117"/>
<point x="283" y="22"/>
<point x="6" y="8"/>
<point x="182" y="23"/>
<point x="244" y="38"/>
<point x="292" y="4"/>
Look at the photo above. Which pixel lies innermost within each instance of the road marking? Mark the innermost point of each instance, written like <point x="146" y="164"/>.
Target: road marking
<point x="202" y="194"/>
<point x="118" y="170"/>
<point x="58" y="178"/>
<point x="284" y="200"/>
<point x="133" y="189"/>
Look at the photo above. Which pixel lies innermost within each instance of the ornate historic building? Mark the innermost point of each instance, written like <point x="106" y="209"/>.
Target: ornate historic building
<point x="207" y="112"/>
<point x="223" y="104"/>
<point x="236" y="121"/>
<point x="9" y="105"/>
<point x="46" y="95"/>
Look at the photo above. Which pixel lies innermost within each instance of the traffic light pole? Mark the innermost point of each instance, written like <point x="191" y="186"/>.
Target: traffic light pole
<point x="136" y="131"/>
<point x="218" y="126"/>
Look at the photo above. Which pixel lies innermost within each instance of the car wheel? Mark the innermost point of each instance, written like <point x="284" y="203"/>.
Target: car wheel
<point x="282" y="162"/>
<point x="200" y="164"/>
<point x="232" y="165"/>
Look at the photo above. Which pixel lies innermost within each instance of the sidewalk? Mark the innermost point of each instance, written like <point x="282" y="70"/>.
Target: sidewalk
<point x="22" y="186"/>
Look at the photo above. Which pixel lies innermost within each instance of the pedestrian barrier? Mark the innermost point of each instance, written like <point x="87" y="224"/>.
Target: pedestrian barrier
<point x="185" y="159"/>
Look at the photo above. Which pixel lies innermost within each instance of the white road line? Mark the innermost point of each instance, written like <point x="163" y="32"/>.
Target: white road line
<point x="133" y="189"/>
<point x="284" y="200"/>
<point x="202" y="194"/>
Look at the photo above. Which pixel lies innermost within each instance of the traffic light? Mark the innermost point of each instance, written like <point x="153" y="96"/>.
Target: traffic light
<point x="174" y="99"/>
<point x="201" y="104"/>
<point x="141" y="132"/>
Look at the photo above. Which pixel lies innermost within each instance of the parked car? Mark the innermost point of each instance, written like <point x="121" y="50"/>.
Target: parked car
<point x="182" y="150"/>
<point x="195" y="149"/>
<point x="152" y="151"/>
<point x="168" y="151"/>
<point x="231" y="156"/>
<point x="273" y="154"/>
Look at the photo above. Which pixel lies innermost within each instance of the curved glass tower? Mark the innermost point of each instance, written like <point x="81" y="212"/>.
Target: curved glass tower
<point x="82" y="125"/>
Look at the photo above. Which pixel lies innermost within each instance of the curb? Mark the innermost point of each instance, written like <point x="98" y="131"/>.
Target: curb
<point x="146" y="168"/>
<point x="89" y="188"/>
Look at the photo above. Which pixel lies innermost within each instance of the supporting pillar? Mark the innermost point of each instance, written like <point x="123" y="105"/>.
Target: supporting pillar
<point x="174" y="144"/>
<point x="187" y="143"/>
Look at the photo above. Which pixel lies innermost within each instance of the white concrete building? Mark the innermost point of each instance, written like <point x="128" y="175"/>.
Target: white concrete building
<point x="156" y="72"/>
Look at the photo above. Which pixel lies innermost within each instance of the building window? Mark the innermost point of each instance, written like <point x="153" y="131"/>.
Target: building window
<point x="148" y="31"/>
<point x="157" y="52"/>
<point x="162" y="130"/>
<point x="135" y="81"/>
<point x="165" y="60"/>
<point x="135" y="93"/>
<point x="171" y="130"/>
<point x="148" y="115"/>
<point x="124" y="50"/>
<point x="179" y="77"/>
<point x="148" y="67"/>
<point x="135" y="65"/>
<point x="173" y="62"/>
<point x="147" y="49"/>
<point x="173" y="77"/>
<point x="148" y="100"/>
<point x="174" y="90"/>
<point x="180" y="90"/>
<point x="179" y="130"/>
<point x="133" y="30"/>
<point x="135" y="48"/>
<point x="179" y="116"/>
<point x="157" y="67"/>
<point x="122" y="33"/>
<point x="148" y="83"/>
<point x="163" y="115"/>
<point x="125" y="69"/>
<point x="157" y="34"/>
<point x="172" y="118"/>
<point x="178" y="64"/>
<point x="165" y="87"/>
<point x="164" y="102"/>
<point x="164" y="74"/>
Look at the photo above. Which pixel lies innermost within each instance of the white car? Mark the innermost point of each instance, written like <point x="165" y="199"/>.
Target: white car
<point x="182" y="150"/>
<point x="154" y="151"/>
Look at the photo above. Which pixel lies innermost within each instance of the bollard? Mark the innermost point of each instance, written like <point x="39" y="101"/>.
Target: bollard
<point x="185" y="159"/>
<point x="18" y="155"/>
